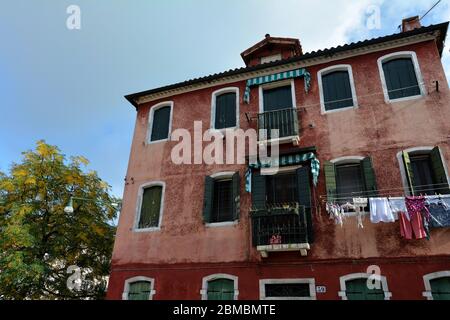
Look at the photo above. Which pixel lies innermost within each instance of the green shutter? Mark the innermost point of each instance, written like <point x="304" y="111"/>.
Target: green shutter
<point x="357" y="290"/>
<point x="208" y="199"/>
<point x="160" y="124"/>
<point x="303" y="187"/>
<point x="150" y="207"/>
<point x="330" y="180"/>
<point x="258" y="191"/>
<point x="440" y="178"/>
<point x="139" y="290"/>
<point x="408" y="171"/>
<point x="440" y="288"/>
<point x="221" y="289"/>
<point x="369" y="177"/>
<point x="236" y="195"/>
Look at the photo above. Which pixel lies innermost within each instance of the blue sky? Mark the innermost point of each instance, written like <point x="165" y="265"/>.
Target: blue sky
<point x="67" y="86"/>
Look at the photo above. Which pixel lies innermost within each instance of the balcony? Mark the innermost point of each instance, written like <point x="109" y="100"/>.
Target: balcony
<point x="285" y="120"/>
<point x="279" y="229"/>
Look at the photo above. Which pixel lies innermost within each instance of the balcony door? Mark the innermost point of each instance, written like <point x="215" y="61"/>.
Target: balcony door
<point x="278" y="98"/>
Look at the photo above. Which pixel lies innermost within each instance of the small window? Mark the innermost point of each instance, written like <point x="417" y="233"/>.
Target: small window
<point x="150" y="207"/>
<point x="139" y="290"/>
<point x="278" y="98"/>
<point x="160" y="124"/>
<point x="337" y="91"/>
<point x="225" y="113"/>
<point x="423" y="174"/>
<point x="271" y="58"/>
<point x="357" y="289"/>
<point x="287" y="290"/>
<point x="440" y="288"/>
<point x="282" y="188"/>
<point x="220" y="289"/>
<point x="401" y="79"/>
<point x="349" y="180"/>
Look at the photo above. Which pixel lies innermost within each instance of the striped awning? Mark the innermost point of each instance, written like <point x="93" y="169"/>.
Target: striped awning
<point x="283" y="161"/>
<point x="277" y="77"/>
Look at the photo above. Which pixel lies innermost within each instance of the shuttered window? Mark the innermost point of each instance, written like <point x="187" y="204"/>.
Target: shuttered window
<point x="139" y="290"/>
<point x="401" y="79"/>
<point x="225" y="111"/>
<point x="337" y="92"/>
<point x="160" y="124"/>
<point x="425" y="172"/>
<point x="287" y="290"/>
<point x="150" y="207"/>
<point x="357" y="290"/>
<point x="221" y="289"/>
<point x="345" y="181"/>
<point x="221" y="201"/>
<point x="440" y="288"/>
<point x="277" y="98"/>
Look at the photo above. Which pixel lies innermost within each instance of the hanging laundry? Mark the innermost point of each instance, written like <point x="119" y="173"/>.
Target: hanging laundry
<point x="380" y="210"/>
<point x="412" y="226"/>
<point x="439" y="212"/>
<point x="417" y="209"/>
<point x="398" y="205"/>
<point x="336" y="213"/>
<point x="360" y="205"/>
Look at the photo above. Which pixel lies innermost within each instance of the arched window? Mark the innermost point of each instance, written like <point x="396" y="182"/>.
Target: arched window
<point x="400" y="76"/>
<point x="356" y="286"/>
<point x="219" y="287"/>
<point x="138" y="288"/>
<point x="225" y="108"/>
<point x="150" y="206"/>
<point x="160" y="122"/>
<point x="337" y="88"/>
<point x="437" y="285"/>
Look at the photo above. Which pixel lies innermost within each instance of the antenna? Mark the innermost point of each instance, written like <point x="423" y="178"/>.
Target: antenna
<point x="430" y="9"/>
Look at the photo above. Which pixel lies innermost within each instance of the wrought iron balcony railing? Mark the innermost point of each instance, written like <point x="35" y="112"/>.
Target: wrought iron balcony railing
<point x="280" y="229"/>
<point x="285" y="120"/>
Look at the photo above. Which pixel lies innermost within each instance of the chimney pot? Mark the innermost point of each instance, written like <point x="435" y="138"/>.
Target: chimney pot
<point x="411" y="23"/>
<point x="267" y="35"/>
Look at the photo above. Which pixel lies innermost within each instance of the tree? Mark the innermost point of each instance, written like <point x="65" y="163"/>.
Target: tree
<point x="39" y="241"/>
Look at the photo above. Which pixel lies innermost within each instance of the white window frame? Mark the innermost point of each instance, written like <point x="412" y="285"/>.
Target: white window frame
<point x="126" y="288"/>
<point x="310" y="281"/>
<point x="413" y="151"/>
<point x="271" y="58"/>
<point x="401" y="54"/>
<point x="205" y="280"/>
<point x="139" y="206"/>
<point x="354" y="276"/>
<point x="150" y="121"/>
<point x="432" y="276"/>
<point x="214" y="96"/>
<point x="273" y="85"/>
<point x="226" y="175"/>
<point x="331" y="69"/>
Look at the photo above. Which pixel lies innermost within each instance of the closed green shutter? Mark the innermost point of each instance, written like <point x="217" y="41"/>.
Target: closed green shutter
<point x="150" y="207"/>
<point x="440" y="178"/>
<point x="304" y="199"/>
<point x="303" y="187"/>
<point x="369" y="177"/>
<point x="160" y="124"/>
<point x="408" y="171"/>
<point x="277" y="99"/>
<point x="221" y="289"/>
<point x="139" y="290"/>
<point x="357" y="290"/>
<point x="258" y="191"/>
<point x="337" y="92"/>
<point x="225" y="111"/>
<point x="401" y="80"/>
<point x="208" y="199"/>
<point x="330" y="180"/>
<point x="440" y="288"/>
<point x="236" y="195"/>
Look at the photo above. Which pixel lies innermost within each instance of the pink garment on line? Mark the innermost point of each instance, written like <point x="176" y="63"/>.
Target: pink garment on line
<point x="412" y="226"/>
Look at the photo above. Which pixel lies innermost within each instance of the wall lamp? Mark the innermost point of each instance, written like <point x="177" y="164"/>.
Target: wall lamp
<point x="69" y="207"/>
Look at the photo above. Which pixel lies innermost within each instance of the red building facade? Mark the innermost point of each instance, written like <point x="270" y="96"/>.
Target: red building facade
<point x="375" y="115"/>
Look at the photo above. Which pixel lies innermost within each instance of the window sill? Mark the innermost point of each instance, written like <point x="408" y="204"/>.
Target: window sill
<point x="221" y="224"/>
<point x="295" y="140"/>
<point x="143" y="230"/>
<point x="391" y="101"/>
<point x="223" y="131"/>
<point x="157" y="141"/>
<point x="339" y="110"/>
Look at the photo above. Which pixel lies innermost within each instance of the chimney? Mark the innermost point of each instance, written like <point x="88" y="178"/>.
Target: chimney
<point x="411" y="23"/>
